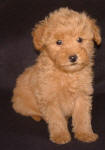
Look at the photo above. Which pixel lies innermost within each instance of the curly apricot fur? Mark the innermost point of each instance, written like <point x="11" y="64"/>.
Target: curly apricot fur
<point x="55" y="88"/>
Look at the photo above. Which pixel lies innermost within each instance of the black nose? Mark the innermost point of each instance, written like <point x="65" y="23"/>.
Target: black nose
<point x="73" y="58"/>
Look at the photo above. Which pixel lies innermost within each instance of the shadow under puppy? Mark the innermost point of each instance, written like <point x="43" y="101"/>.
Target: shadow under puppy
<point x="59" y="85"/>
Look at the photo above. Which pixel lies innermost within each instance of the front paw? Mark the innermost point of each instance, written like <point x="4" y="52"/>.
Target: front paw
<point x="61" y="138"/>
<point x="86" y="137"/>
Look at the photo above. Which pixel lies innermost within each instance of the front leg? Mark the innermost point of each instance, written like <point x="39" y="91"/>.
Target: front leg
<point x="81" y="120"/>
<point x="57" y="124"/>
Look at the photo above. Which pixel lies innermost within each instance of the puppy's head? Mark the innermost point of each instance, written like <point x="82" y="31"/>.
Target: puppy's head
<point x="67" y="36"/>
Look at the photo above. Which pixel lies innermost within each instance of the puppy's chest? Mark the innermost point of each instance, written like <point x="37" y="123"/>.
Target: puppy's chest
<point x="70" y="83"/>
<point x="78" y="82"/>
<point x="68" y="93"/>
<point x="70" y="88"/>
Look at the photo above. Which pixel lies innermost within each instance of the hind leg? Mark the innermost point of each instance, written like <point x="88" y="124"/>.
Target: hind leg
<point x="25" y="103"/>
<point x="36" y="118"/>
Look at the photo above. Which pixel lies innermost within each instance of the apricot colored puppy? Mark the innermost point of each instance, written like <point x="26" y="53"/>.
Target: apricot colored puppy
<point x="59" y="85"/>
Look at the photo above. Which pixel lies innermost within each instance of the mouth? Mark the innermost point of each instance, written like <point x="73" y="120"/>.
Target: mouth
<point x="73" y="64"/>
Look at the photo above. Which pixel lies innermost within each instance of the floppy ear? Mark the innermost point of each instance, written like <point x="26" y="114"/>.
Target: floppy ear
<point x="96" y="32"/>
<point x="37" y="35"/>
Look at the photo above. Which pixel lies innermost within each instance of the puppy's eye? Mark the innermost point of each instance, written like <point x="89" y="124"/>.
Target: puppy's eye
<point x="79" y="40"/>
<point x="59" y="42"/>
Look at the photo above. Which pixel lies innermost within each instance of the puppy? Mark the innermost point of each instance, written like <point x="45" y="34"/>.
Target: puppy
<point x="59" y="85"/>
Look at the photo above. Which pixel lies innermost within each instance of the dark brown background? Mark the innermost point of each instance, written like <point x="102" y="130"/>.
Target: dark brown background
<point x="17" y="18"/>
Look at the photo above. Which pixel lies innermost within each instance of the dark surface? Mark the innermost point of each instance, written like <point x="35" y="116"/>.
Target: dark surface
<point x="17" y="18"/>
